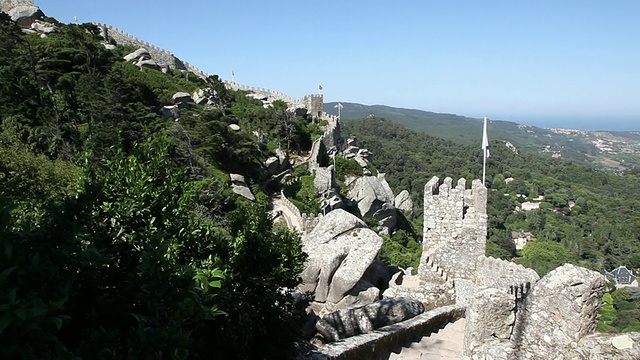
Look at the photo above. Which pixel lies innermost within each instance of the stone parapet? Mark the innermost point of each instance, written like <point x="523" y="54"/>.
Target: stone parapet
<point x="159" y="55"/>
<point x="382" y="342"/>
<point x="505" y="275"/>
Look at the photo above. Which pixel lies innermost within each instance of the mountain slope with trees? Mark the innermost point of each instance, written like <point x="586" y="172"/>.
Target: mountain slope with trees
<point x="599" y="232"/>
<point x="613" y="151"/>
<point x="121" y="237"/>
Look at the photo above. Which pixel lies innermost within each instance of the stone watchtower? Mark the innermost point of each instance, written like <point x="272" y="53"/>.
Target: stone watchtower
<point x="455" y="227"/>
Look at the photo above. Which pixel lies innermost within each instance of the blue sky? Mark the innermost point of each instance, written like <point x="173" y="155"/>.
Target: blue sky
<point x="551" y="63"/>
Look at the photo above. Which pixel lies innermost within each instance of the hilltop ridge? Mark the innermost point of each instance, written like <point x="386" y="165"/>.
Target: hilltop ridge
<point x="613" y="151"/>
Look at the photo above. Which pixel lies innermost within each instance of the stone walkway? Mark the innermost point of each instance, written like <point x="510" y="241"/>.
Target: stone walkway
<point x="281" y="210"/>
<point x="447" y="344"/>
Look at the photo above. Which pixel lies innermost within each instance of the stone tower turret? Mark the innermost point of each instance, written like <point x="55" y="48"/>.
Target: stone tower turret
<point x="455" y="226"/>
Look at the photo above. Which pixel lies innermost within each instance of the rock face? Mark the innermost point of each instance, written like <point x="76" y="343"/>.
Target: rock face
<point x="556" y="320"/>
<point x="277" y="164"/>
<point x="182" y="99"/>
<point x="140" y="53"/>
<point x="340" y="249"/>
<point x="170" y="112"/>
<point x="370" y="192"/>
<point x="350" y="322"/>
<point x="44" y="27"/>
<point x="375" y="200"/>
<point x="25" y="15"/>
<point x="240" y="187"/>
<point x="562" y="308"/>
<point x="404" y="203"/>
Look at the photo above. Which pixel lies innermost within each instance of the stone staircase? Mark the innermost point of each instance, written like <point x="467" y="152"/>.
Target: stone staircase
<point x="446" y="344"/>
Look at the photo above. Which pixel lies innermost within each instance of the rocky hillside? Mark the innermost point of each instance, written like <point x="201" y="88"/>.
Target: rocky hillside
<point x="613" y="151"/>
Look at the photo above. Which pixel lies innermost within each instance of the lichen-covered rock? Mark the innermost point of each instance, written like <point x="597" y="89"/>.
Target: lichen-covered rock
<point x="25" y="15"/>
<point x="330" y="201"/>
<point x="610" y="346"/>
<point x="404" y="203"/>
<point x="363" y="293"/>
<point x="140" y="53"/>
<point x="350" y="322"/>
<point x="44" y="27"/>
<point x="340" y="249"/>
<point x="561" y="309"/>
<point x="324" y="179"/>
<point x="148" y="63"/>
<point x="370" y="193"/>
<point x="181" y="98"/>
<point x="199" y="97"/>
<point x="240" y="187"/>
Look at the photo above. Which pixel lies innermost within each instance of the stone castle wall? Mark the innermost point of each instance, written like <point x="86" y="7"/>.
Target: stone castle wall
<point x="331" y="137"/>
<point x="160" y="56"/>
<point x="557" y="320"/>
<point x="455" y="226"/>
<point x="313" y="102"/>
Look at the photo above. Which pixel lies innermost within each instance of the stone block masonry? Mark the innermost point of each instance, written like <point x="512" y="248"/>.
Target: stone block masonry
<point x="455" y="226"/>
<point x="556" y="320"/>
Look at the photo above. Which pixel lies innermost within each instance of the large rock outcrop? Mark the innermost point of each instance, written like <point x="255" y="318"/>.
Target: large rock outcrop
<point x="556" y="320"/>
<point x="25" y="15"/>
<point x="404" y="203"/>
<point x="375" y="200"/>
<point x="561" y="309"/>
<point x="340" y="249"/>
<point x="240" y="187"/>
<point x="371" y="192"/>
<point x="361" y="320"/>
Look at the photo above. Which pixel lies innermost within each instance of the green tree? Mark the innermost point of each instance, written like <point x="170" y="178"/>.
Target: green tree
<point x="544" y="256"/>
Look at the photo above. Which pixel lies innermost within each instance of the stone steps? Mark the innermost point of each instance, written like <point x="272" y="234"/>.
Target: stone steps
<point x="447" y="344"/>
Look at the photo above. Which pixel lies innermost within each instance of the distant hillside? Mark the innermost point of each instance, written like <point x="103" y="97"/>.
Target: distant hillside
<point x="611" y="151"/>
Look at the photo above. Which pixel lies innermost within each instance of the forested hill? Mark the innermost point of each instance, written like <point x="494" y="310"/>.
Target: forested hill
<point x="121" y="236"/>
<point x="600" y="232"/>
<point x="612" y="151"/>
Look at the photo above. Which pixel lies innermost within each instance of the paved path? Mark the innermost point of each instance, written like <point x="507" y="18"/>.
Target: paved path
<point x="280" y="210"/>
<point x="447" y="344"/>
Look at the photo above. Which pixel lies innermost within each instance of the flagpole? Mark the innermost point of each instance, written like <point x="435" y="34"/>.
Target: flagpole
<point x="485" y="146"/>
<point x="339" y="106"/>
<point x="484" y="165"/>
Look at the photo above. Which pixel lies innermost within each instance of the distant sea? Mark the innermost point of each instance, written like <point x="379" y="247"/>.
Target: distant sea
<point x="616" y="124"/>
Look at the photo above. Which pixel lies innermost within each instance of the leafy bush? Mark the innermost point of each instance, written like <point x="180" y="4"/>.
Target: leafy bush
<point x="346" y="167"/>
<point x="303" y="193"/>
<point x="401" y="250"/>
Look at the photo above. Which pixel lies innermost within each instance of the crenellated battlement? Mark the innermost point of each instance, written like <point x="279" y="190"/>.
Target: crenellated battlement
<point x="455" y="226"/>
<point x="159" y="55"/>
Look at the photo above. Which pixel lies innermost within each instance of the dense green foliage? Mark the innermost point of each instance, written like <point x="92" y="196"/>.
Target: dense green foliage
<point x="401" y="249"/>
<point x="120" y="235"/>
<point x="620" y="311"/>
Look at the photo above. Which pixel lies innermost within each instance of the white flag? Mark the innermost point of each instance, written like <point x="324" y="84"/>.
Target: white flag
<point x="338" y="105"/>
<point x="485" y="139"/>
